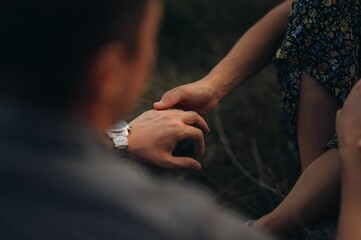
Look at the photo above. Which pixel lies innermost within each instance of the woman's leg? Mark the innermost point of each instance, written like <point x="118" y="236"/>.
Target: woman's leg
<point x="316" y="193"/>
<point x="315" y="119"/>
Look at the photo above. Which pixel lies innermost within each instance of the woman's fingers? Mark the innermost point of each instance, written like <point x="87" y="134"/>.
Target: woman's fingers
<point x="170" y="99"/>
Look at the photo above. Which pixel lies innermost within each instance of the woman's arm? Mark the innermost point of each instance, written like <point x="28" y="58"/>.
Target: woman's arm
<point x="349" y="134"/>
<point x="251" y="53"/>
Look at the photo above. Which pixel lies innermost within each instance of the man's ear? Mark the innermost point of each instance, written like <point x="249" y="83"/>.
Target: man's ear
<point x="108" y="73"/>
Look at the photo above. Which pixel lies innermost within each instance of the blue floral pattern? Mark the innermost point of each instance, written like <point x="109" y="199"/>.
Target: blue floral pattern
<point x="323" y="39"/>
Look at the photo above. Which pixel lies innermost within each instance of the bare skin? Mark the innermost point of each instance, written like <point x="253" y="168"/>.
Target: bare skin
<point x="315" y="120"/>
<point x="251" y="53"/>
<point x="155" y="135"/>
<point x="309" y="200"/>
<point x="316" y="193"/>
<point x="349" y="132"/>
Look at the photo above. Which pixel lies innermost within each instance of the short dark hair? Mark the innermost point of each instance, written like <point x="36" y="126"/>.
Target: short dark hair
<point x="46" y="46"/>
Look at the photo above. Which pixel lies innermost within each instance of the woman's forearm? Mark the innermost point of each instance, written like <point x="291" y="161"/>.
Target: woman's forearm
<point x="252" y="52"/>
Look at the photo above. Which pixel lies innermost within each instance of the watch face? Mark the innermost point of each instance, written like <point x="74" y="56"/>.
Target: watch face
<point x="119" y="126"/>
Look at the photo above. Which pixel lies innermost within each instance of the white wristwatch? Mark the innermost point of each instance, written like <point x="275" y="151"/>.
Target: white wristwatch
<point x="119" y="135"/>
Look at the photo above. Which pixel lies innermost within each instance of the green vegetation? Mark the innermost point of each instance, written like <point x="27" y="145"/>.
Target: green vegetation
<point x="249" y="164"/>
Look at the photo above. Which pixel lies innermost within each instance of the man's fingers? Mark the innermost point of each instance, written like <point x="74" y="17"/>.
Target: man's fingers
<point x="184" y="162"/>
<point x="198" y="139"/>
<point x="193" y="118"/>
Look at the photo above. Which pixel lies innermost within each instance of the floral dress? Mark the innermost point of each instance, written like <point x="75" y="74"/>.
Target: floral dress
<point x="322" y="39"/>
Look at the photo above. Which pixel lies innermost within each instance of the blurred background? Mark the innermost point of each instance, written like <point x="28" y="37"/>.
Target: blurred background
<point x="249" y="164"/>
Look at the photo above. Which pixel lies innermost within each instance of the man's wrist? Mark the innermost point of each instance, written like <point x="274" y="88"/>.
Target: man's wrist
<point x="119" y="134"/>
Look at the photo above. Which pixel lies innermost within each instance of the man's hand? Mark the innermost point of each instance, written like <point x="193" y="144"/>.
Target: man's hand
<point x="199" y="96"/>
<point x="155" y="134"/>
<point x="348" y="124"/>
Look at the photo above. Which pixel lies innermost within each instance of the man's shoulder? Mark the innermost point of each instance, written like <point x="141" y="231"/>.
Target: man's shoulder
<point x="83" y="192"/>
<point x="165" y="209"/>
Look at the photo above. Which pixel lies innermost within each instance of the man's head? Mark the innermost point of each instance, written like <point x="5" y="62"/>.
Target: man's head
<point x="66" y="54"/>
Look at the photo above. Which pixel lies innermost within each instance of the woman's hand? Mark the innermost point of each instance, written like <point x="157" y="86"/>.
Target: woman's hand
<point x="251" y="53"/>
<point x="199" y="96"/>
